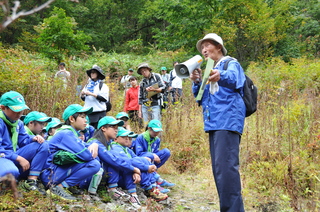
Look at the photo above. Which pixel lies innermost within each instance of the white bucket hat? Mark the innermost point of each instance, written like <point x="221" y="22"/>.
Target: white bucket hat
<point x="214" y="37"/>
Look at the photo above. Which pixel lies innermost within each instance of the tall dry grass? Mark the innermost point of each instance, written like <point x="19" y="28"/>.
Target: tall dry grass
<point x="280" y="146"/>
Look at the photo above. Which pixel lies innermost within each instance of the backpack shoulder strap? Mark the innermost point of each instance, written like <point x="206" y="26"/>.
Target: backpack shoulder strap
<point x="156" y="77"/>
<point x="225" y="66"/>
<point x="100" y="85"/>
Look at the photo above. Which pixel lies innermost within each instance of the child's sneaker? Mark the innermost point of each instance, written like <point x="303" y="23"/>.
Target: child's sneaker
<point x="163" y="190"/>
<point x="156" y="194"/>
<point x="166" y="184"/>
<point x="76" y="191"/>
<point x="134" y="201"/>
<point x="32" y="185"/>
<point x="59" y="191"/>
<point x="118" y="194"/>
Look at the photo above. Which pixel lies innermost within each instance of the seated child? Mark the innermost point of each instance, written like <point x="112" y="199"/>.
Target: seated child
<point x="34" y="122"/>
<point x="21" y="154"/>
<point x="106" y="132"/>
<point x="61" y="177"/>
<point x="124" y="179"/>
<point x="52" y="126"/>
<point x="88" y="131"/>
<point x="147" y="144"/>
<point x="125" y="118"/>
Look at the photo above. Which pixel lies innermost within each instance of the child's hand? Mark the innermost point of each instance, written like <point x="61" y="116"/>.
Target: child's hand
<point x="148" y="159"/>
<point x="23" y="163"/>
<point x="136" y="178"/>
<point x="152" y="168"/>
<point x="93" y="148"/>
<point x="38" y="138"/>
<point x="156" y="158"/>
<point x="136" y="170"/>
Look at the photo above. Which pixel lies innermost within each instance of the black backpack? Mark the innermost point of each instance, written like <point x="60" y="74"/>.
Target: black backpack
<point x="108" y="102"/>
<point x="250" y="93"/>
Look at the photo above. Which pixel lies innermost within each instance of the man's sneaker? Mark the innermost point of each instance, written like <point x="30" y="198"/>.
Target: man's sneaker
<point x="59" y="191"/>
<point x="118" y="194"/>
<point x="166" y="184"/>
<point x="163" y="190"/>
<point x="156" y="194"/>
<point x="32" y="185"/>
<point x="134" y="201"/>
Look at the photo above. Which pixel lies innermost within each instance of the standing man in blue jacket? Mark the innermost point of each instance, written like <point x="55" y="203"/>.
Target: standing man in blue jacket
<point x="223" y="113"/>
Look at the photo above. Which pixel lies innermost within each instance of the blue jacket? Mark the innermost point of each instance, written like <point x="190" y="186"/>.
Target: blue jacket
<point x="224" y="110"/>
<point x="67" y="140"/>
<point x="6" y="149"/>
<point x="112" y="158"/>
<point x="88" y="133"/>
<point x="140" y="147"/>
<point x="139" y="162"/>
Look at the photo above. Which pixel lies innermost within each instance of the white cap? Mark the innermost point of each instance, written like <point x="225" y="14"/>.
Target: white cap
<point x="214" y="37"/>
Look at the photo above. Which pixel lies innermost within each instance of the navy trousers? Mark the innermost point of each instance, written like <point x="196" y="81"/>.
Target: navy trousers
<point x="164" y="155"/>
<point x="224" y="150"/>
<point x="70" y="175"/>
<point x="124" y="179"/>
<point x="34" y="152"/>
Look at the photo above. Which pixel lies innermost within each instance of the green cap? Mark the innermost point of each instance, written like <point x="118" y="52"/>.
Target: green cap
<point x="36" y="116"/>
<point x="123" y="132"/>
<point x="133" y="135"/>
<point x="109" y="120"/>
<point x="163" y="68"/>
<point x="155" y="125"/>
<point x="121" y="115"/>
<point x="14" y="101"/>
<point x="53" y="123"/>
<point x="75" y="108"/>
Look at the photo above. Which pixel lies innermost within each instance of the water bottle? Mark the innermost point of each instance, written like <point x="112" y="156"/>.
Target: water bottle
<point x="95" y="181"/>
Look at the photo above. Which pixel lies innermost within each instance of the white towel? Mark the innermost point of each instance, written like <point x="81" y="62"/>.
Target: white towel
<point x="214" y="86"/>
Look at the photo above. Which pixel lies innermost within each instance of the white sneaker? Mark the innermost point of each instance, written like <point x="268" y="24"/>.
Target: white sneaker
<point x="118" y="194"/>
<point x="134" y="201"/>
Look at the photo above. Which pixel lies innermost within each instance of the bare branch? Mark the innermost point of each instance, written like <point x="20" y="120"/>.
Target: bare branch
<point x="9" y="19"/>
<point x="5" y="7"/>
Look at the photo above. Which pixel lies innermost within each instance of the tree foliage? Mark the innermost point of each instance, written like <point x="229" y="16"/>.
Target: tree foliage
<point x="58" y="36"/>
<point x="252" y="29"/>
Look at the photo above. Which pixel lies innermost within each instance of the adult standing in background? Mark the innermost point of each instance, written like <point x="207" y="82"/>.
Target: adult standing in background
<point x="95" y="94"/>
<point x="165" y="76"/>
<point x="125" y="79"/>
<point x="175" y="85"/>
<point x="166" y="79"/>
<point x="63" y="74"/>
<point x="223" y="113"/>
<point x="131" y="105"/>
<point x="150" y="93"/>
